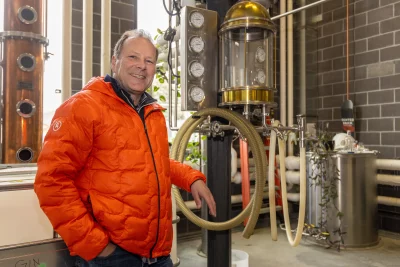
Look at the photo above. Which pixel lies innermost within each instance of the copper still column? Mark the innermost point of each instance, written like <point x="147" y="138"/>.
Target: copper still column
<point x="24" y="47"/>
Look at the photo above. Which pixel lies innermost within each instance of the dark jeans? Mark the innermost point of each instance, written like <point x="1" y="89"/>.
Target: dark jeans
<point x="123" y="258"/>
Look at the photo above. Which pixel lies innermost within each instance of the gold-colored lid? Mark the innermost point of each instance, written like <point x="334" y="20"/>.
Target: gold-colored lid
<point x="247" y="14"/>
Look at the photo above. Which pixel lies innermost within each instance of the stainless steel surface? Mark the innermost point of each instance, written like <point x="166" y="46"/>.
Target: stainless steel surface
<point x="208" y="57"/>
<point x="299" y="9"/>
<point x="48" y="253"/>
<point x="24" y="35"/>
<point x="357" y="200"/>
<point x="202" y="250"/>
<point x="14" y="177"/>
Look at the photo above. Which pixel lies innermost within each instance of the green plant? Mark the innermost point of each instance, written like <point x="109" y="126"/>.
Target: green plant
<point x="325" y="174"/>
<point x="160" y="88"/>
<point x="195" y="155"/>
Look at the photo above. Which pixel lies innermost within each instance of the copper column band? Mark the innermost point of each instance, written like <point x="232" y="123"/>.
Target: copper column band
<point x="24" y="46"/>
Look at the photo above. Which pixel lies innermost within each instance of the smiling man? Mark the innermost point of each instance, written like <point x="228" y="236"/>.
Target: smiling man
<point x="104" y="174"/>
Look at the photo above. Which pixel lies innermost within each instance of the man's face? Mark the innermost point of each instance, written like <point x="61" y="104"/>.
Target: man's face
<point x="136" y="65"/>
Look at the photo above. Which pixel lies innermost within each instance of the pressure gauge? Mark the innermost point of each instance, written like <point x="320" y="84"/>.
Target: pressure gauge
<point x="196" y="94"/>
<point x="260" y="77"/>
<point x="260" y="54"/>
<point x="196" y="19"/>
<point x="196" y="44"/>
<point x="196" y="69"/>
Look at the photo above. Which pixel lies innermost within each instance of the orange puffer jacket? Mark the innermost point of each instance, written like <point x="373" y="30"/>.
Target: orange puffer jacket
<point x="105" y="176"/>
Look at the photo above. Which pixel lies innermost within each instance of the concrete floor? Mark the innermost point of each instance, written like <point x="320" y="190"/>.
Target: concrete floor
<point x="265" y="252"/>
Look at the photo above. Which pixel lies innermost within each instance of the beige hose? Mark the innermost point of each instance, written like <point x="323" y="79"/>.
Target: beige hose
<point x="302" y="208"/>
<point x="255" y="142"/>
<point x="271" y="184"/>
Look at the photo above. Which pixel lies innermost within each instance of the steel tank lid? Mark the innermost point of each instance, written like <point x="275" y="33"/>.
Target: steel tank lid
<point x="245" y="14"/>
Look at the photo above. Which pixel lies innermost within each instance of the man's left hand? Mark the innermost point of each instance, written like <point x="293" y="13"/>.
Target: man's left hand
<point x="200" y="191"/>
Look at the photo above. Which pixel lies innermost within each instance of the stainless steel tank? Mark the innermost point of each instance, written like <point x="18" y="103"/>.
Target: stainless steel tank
<point x="356" y="200"/>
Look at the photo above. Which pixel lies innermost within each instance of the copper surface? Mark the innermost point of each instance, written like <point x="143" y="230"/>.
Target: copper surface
<point x="19" y="132"/>
<point x="12" y="22"/>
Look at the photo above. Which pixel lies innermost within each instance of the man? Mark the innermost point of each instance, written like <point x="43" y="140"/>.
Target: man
<point x="104" y="174"/>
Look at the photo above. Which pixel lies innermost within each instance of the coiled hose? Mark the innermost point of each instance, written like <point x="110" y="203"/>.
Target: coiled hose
<point x="253" y="138"/>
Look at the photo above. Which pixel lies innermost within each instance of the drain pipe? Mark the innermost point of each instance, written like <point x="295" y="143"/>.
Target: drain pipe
<point x="290" y="72"/>
<point x="388" y="164"/>
<point x="87" y="42"/>
<point x="66" y="51"/>
<point x="105" y="37"/>
<point x="389" y="201"/>
<point x="303" y="66"/>
<point x="387" y="179"/>
<point x="283" y="64"/>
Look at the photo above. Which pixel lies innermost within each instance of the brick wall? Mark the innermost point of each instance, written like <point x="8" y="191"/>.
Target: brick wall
<point x="123" y="17"/>
<point x="375" y="70"/>
<point x="375" y="79"/>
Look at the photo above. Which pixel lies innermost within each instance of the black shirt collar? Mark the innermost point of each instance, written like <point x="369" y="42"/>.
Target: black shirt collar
<point x="145" y="99"/>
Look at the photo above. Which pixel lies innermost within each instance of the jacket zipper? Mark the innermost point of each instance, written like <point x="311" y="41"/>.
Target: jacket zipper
<point x="158" y="191"/>
<point x="155" y="169"/>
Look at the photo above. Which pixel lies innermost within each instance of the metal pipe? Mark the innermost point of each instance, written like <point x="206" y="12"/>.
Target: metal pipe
<point x="176" y="82"/>
<point x="283" y="65"/>
<point x="87" y="42"/>
<point x="172" y="126"/>
<point x="290" y="72"/>
<point x="387" y="179"/>
<point x="388" y="164"/>
<point x="66" y="50"/>
<point x="303" y="66"/>
<point x="105" y="36"/>
<point x="389" y="201"/>
<point x="299" y="9"/>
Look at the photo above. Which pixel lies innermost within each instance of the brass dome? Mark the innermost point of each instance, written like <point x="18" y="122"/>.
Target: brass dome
<point x="247" y="14"/>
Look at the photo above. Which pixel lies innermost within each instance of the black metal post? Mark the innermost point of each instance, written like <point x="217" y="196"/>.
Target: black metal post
<point x="221" y="7"/>
<point x="219" y="182"/>
<point x="219" y="175"/>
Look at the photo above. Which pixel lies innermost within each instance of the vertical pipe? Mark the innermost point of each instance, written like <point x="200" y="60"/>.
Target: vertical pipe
<point x="303" y="65"/>
<point x="219" y="181"/>
<point x="290" y="72"/>
<point x="105" y="36"/>
<point x="202" y="251"/>
<point x="66" y="48"/>
<point x="87" y="53"/>
<point x="283" y="63"/>
<point x="244" y="168"/>
<point x="174" y="250"/>
<point x="347" y="52"/>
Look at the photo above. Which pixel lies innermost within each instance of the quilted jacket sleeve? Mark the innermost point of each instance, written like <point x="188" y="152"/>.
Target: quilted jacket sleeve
<point x="65" y="151"/>
<point x="183" y="175"/>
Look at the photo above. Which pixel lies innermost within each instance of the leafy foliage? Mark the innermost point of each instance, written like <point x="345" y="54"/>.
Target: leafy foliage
<point x="325" y="175"/>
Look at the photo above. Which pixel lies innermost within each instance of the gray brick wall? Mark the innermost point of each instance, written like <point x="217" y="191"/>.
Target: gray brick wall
<point x="374" y="74"/>
<point x="123" y="17"/>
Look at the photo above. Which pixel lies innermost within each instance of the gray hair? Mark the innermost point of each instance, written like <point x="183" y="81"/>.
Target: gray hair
<point x="137" y="33"/>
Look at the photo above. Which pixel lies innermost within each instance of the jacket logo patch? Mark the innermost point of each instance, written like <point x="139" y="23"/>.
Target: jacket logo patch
<point x="57" y="125"/>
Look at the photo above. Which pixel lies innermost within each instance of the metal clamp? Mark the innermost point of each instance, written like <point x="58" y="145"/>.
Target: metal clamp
<point x="24" y="35"/>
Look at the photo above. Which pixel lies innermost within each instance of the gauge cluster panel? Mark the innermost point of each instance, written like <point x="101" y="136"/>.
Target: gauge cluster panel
<point x="199" y="58"/>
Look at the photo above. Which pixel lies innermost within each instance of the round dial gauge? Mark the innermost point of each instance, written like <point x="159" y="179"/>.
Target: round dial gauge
<point x="260" y="54"/>
<point x="261" y="77"/>
<point x="196" y="44"/>
<point x="196" y="69"/>
<point x="196" y="94"/>
<point x="196" y="19"/>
